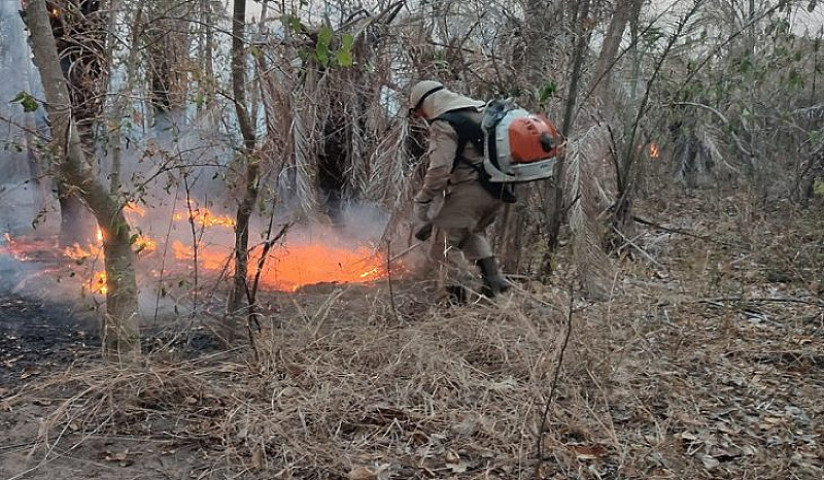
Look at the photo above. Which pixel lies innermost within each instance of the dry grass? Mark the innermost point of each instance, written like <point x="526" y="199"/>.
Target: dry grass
<point x="701" y="365"/>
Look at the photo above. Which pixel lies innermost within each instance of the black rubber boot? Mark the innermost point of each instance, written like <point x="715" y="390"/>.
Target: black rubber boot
<point x="494" y="282"/>
<point x="455" y="295"/>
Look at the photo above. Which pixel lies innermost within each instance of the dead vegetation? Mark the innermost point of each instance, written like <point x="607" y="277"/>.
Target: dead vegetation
<point x="705" y="363"/>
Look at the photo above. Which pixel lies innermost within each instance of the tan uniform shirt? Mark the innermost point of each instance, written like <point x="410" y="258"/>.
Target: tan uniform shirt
<point x="443" y="145"/>
<point x="467" y="207"/>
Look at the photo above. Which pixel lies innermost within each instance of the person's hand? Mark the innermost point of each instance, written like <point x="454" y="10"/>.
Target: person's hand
<point x="422" y="224"/>
<point x="423" y="232"/>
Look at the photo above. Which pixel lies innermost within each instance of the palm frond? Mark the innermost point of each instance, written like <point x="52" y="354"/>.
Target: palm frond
<point x="815" y="112"/>
<point x="305" y="191"/>
<point x="709" y="139"/>
<point x="583" y="194"/>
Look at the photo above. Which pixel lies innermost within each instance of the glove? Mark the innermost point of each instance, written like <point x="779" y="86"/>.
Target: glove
<point x="423" y="226"/>
<point x="424" y="232"/>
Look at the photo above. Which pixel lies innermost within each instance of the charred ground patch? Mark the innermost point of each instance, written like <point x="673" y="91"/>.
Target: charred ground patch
<point x="38" y="337"/>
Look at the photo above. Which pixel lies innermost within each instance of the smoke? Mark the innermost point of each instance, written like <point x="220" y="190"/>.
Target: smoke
<point x="19" y="189"/>
<point x="178" y="176"/>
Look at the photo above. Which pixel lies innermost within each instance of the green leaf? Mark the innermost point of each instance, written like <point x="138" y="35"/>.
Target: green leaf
<point x="344" y="55"/>
<point x="322" y="46"/>
<point x="548" y="90"/>
<point x="348" y="41"/>
<point x="818" y="187"/>
<point x="344" y="58"/>
<point x="795" y="79"/>
<point x="293" y="22"/>
<point x="28" y="102"/>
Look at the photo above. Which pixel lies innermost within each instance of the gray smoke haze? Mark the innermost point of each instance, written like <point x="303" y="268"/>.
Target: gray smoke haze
<point x="18" y="191"/>
<point x="166" y="163"/>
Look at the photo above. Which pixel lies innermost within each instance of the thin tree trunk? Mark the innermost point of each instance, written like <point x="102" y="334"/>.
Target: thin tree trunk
<point x="120" y="329"/>
<point x="612" y="41"/>
<point x="555" y="204"/>
<point x="247" y="203"/>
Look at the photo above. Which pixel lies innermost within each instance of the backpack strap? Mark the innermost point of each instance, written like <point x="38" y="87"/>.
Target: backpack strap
<point x="471" y="131"/>
<point x="468" y="131"/>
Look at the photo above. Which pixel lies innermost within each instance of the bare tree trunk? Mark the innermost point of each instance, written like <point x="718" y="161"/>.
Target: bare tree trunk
<point x="612" y="41"/>
<point x="247" y="203"/>
<point x="167" y="43"/>
<point x="120" y="329"/>
<point x="79" y="34"/>
<point x="206" y="82"/>
<point x="555" y="204"/>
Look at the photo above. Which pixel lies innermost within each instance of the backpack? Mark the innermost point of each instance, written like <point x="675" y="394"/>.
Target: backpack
<point x="518" y="146"/>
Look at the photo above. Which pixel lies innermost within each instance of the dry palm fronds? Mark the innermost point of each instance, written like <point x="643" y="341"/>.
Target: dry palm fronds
<point x="583" y="194"/>
<point x="815" y="112"/>
<point x="303" y="167"/>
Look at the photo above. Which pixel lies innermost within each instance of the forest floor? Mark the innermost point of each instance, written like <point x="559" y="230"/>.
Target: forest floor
<point x="707" y="361"/>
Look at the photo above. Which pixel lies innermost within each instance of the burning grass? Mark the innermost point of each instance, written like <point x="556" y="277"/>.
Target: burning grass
<point x="701" y="365"/>
<point x="310" y="258"/>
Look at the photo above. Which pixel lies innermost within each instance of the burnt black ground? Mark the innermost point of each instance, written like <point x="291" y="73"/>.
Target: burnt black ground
<point x="37" y="337"/>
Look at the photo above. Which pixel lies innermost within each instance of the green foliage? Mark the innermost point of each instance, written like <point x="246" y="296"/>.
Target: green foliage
<point x="548" y="90"/>
<point x="322" y="46"/>
<point x="795" y="79"/>
<point x="344" y="54"/>
<point x="818" y="187"/>
<point x="323" y="52"/>
<point x="28" y="102"/>
<point x="293" y="22"/>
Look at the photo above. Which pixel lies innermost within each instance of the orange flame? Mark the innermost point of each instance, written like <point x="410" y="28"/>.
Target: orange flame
<point x="290" y="268"/>
<point x="285" y="268"/>
<point x="654" y="152"/>
<point x="76" y="252"/>
<point x="99" y="284"/>
<point x="293" y="267"/>
<point x="132" y="208"/>
<point x="144" y="243"/>
<point x="205" y="218"/>
<point x="208" y="258"/>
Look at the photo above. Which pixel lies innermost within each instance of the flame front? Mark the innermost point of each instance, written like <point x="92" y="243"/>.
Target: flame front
<point x="286" y="268"/>
<point x="204" y="217"/>
<point x="292" y="267"/>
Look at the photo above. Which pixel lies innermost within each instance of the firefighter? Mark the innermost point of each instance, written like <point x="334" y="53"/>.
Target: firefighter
<point x="452" y="198"/>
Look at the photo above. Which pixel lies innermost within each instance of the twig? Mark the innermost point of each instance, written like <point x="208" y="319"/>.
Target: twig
<point x="641" y="250"/>
<point x="399" y="255"/>
<point x="681" y="232"/>
<point x="251" y="294"/>
<point x="389" y="277"/>
<point x="760" y="299"/>
<point x="559" y="361"/>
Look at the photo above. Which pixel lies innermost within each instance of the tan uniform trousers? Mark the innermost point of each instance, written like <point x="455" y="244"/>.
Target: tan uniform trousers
<point x="467" y="211"/>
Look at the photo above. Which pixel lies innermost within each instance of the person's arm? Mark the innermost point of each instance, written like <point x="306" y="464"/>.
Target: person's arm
<point x="443" y="145"/>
